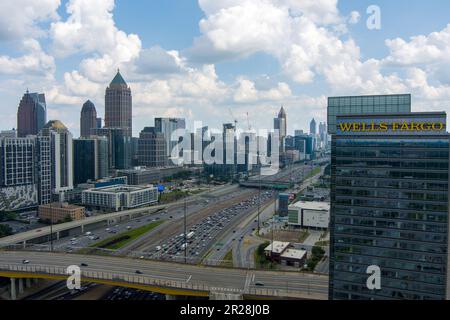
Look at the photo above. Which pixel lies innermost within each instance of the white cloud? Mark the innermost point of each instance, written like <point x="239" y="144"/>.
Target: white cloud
<point x="156" y="60"/>
<point x="90" y="28"/>
<point x="420" y="49"/>
<point x="247" y="92"/>
<point x="354" y="18"/>
<point x="34" y="62"/>
<point x="22" y="18"/>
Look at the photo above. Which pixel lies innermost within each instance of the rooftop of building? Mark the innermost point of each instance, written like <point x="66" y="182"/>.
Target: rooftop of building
<point x="394" y="114"/>
<point x="88" y="106"/>
<point x="118" y="80"/>
<point x="293" y="254"/>
<point x="373" y="95"/>
<point x="55" y="124"/>
<point x="121" y="188"/>
<point x="311" y="205"/>
<point x="277" y="246"/>
<point x="61" y="205"/>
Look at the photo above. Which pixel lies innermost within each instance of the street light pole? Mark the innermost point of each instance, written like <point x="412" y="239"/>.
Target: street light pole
<point x="185" y="227"/>
<point x="259" y="200"/>
<point x="51" y="227"/>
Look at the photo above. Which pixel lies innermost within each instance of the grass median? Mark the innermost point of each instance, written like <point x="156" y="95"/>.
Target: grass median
<point x="118" y="241"/>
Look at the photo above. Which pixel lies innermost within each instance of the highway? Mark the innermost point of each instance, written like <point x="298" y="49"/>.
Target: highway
<point x="166" y="277"/>
<point x="19" y="238"/>
<point x="238" y="240"/>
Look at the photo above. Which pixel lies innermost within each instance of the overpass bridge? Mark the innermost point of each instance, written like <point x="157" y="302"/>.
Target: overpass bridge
<point x="167" y="278"/>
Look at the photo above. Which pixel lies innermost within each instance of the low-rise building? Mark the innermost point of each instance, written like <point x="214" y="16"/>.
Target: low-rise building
<point x="309" y="215"/>
<point x="59" y="212"/>
<point x="286" y="254"/>
<point x="143" y="176"/>
<point x="120" y="197"/>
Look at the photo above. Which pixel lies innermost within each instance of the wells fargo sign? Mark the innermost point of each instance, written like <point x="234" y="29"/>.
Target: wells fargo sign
<point x="391" y="126"/>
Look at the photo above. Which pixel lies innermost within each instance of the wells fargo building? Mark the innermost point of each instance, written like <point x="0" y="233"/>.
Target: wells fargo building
<point x="389" y="206"/>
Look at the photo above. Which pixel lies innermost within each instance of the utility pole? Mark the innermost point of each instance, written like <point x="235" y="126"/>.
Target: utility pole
<point x="185" y="230"/>
<point x="51" y="227"/>
<point x="259" y="200"/>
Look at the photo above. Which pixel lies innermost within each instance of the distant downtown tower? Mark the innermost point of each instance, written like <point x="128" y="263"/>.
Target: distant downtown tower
<point x="32" y="114"/>
<point x="118" y="105"/>
<point x="88" y="119"/>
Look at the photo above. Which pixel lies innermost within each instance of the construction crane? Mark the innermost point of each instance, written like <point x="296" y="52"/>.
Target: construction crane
<point x="248" y="122"/>
<point x="234" y="119"/>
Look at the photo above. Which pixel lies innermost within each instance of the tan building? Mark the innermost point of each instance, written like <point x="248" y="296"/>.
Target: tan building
<point x="59" y="212"/>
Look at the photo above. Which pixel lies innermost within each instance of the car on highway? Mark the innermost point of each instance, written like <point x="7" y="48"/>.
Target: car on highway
<point x="138" y="272"/>
<point x="25" y="261"/>
<point x="259" y="284"/>
<point x="84" y="264"/>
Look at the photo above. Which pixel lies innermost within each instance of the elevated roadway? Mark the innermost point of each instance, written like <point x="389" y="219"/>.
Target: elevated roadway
<point x="165" y="277"/>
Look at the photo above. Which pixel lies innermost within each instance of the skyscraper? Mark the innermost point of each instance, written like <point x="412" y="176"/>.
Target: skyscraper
<point x="118" y="105"/>
<point x="152" y="148"/>
<point x="280" y="123"/>
<point x="61" y="146"/>
<point x="24" y="174"/>
<point x="88" y="119"/>
<point x="32" y="114"/>
<point x="119" y="147"/>
<point x="313" y="127"/>
<point x="389" y="206"/>
<point x="394" y="103"/>
<point x="90" y="158"/>
<point x="167" y="126"/>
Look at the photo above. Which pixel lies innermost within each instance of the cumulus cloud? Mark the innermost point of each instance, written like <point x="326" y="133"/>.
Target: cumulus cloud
<point x="247" y="92"/>
<point x="90" y="28"/>
<point x="156" y="60"/>
<point x="354" y="18"/>
<point x="22" y="18"/>
<point x="420" y="49"/>
<point x="34" y="62"/>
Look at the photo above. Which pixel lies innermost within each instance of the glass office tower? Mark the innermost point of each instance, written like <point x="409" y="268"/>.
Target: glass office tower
<point x="389" y="206"/>
<point x="359" y="105"/>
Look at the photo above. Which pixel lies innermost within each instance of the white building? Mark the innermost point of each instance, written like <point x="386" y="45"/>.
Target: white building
<point x="309" y="214"/>
<point x="120" y="197"/>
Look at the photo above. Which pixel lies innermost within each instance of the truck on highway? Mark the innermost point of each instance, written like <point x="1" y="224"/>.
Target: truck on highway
<point x="190" y="235"/>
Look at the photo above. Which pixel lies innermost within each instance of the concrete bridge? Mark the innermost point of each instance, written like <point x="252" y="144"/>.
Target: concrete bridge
<point x="164" y="277"/>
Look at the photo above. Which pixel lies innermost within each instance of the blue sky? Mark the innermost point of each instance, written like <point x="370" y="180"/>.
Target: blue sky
<point x="201" y="59"/>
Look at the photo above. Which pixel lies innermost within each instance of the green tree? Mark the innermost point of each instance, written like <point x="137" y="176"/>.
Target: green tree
<point x="5" y="230"/>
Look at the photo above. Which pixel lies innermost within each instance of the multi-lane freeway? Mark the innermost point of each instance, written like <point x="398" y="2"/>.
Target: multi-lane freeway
<point x="166" y="277"/>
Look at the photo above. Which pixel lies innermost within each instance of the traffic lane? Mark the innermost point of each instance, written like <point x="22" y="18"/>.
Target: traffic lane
<point x="175" y="272"/>
<point x="213" y="277"/>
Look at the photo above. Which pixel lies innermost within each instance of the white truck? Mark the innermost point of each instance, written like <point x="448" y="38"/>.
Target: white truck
<point x="190" y="235"/>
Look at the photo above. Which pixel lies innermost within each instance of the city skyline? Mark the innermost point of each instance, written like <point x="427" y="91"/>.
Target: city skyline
<point x="195" y="73"/>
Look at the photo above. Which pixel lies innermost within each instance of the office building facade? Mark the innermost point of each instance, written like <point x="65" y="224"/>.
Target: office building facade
<point x="61" y="212"/>
<point x="152" y="151"/>
<point x="31" y="114"/>
<point x="119" y="105"/>
<point x="24" y="173"/>
<point x="313" y="127"/>
<point x="280" y="123"/>
<point x="61" y="149"/>
<point x="88" y="119"/>
<point x="119" y="147"/>
<point x="90" y="158"/>
<point x="360" y="105"/>
<point x="167" y="126"/>
<point x="120" y="197"/>
<point x="389" y="206"/>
